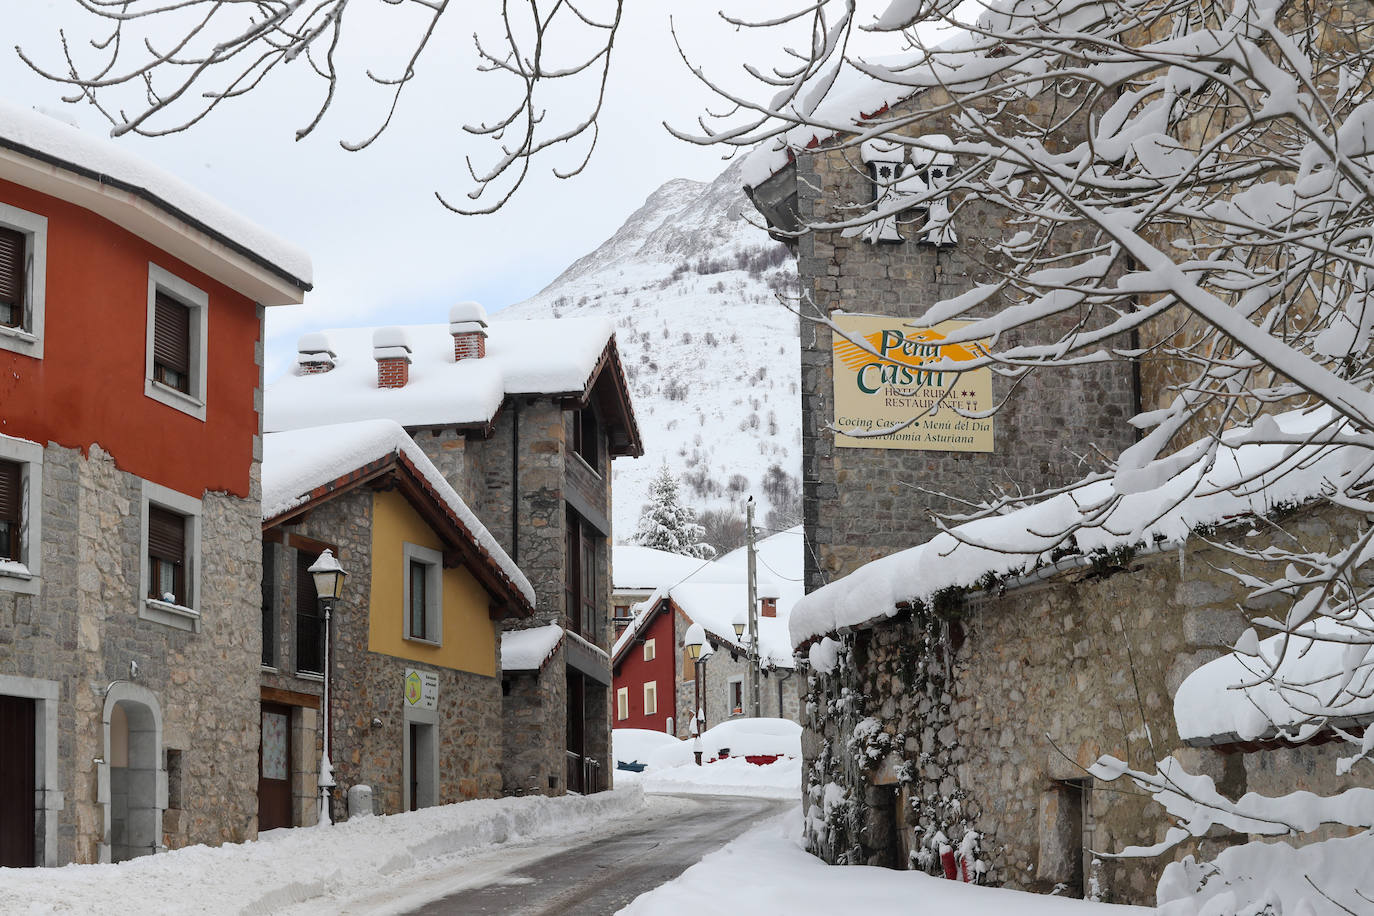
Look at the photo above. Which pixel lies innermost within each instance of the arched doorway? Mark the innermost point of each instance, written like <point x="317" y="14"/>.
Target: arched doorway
<point x="136" y="784"/>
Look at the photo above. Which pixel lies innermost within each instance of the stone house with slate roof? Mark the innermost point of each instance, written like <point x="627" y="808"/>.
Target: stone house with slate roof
<point x="131" y="328"/>
<point x="428" y="589"/>
<point x="523" y="419"/>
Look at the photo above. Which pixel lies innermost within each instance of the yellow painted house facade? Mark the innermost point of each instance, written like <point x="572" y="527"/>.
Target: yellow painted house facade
<point x="414" y="642"/>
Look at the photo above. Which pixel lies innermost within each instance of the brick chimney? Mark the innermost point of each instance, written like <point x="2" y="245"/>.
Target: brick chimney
<point x="314" y="353"/>
<point x="467" y="322"/>
<point x="768" y="599"/>
<point x="391" y="350"/>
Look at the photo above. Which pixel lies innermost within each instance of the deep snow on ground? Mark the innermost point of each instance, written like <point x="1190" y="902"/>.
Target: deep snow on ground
<point x="767" y="872"/>
<point x="318" y="869"/>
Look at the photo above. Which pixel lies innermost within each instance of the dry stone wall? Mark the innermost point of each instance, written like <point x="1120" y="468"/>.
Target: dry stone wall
<point x="979" y="715"/>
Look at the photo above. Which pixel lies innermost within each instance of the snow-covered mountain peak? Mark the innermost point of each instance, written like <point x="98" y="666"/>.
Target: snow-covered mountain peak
<point x="716" y="398"/>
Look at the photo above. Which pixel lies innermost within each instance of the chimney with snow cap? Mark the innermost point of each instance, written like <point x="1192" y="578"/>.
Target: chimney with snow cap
<point x="391" y="350"/>
<point x="467" y="322"/>
<point x="768" y="599"/>
<point x="314" y="353"/>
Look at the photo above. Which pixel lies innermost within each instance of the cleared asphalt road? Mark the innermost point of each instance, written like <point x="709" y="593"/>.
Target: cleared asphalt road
<point x="604" y="874"/>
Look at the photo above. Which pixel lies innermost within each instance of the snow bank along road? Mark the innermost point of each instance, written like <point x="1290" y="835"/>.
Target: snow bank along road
<point x="600" y="874"/>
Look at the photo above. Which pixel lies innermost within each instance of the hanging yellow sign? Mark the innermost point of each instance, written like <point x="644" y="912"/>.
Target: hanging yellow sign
<point x="883" y="379"/>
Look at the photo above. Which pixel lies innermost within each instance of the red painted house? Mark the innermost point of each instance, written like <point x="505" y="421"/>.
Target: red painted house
<point x="645" y="673"/>
<point x="131" y="316"/>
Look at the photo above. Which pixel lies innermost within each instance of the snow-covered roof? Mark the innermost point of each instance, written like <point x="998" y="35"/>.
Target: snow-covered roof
<point x="1020" y="541"/>
<point x="715" y="592"/>
<point x="297" y="462"/>
<point x="529" y="649"/>
<point x="55" y="158"/>
<point x="645" y="568"/>
<point x="549" y="356"/>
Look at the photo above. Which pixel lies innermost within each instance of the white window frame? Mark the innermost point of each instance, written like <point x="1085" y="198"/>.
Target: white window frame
<point x="622" y="704"/>
<point x="26" y="581"/>
<point x="434" y="596"/>
<point x="650" y="650"/>
<point x="730" y="695"/>
<point x="651" y="698"/>
<point x="198" y="302"/>
<point x="178" y="616"/>
<point x="29" y="341"/>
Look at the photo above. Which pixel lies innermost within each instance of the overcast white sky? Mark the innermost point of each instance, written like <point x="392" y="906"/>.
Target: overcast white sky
<point x="384" y="250"/>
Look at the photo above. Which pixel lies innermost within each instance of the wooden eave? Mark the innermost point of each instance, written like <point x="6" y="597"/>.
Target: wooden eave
<point x="396" y="470"/>
<point x="607" y="388"/>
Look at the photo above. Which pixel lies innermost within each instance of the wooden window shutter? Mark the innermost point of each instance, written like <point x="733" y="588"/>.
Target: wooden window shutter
<point x="166" y="535"/>
<point x="11" y="277"/>
<point x="307" y="602"/>
<point x="11" y="508"/>
<point x="171" y="342"/>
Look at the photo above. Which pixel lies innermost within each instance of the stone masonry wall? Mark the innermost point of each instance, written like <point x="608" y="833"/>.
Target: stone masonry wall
<point x="981" y="715"/>
<point x="863" y="503"/>
<point x="721" y="666"/>
<point x="83" y="631"/>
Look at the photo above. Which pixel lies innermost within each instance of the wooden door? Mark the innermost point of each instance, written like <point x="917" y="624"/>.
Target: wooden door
<point x="274" y="768"/>
<point x="17" y="755"/>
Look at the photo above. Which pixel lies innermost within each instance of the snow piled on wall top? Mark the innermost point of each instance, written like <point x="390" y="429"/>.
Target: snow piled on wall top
<point x="22" y="130"/>
<point x="1289" y="686"/>
<point x="540" y="356"/>
<point x="1020" y="541"/>
<point x="527" y="650"/>
<point x="296" y="462"/>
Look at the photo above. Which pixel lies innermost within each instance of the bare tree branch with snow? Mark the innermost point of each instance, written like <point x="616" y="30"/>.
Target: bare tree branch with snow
<point x="160" y="66"/>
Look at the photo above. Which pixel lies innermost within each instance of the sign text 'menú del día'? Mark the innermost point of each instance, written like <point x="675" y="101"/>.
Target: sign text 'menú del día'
<point x="886" y="380"/>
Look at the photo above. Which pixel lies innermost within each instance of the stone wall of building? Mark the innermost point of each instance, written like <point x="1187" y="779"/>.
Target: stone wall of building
<point x="863" y="503"/>
<point x="722" y="666"/>
<point x="83" y="631"/>
<point x="967" y="717"/>
<point x="534" y="716"/>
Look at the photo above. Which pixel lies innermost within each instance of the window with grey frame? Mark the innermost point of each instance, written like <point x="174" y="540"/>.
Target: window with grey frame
<point x="420" y="624"/>
<point x="167" y="556"/>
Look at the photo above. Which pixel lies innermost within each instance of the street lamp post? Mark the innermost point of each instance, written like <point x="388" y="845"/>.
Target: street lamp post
<point x="694" y="639"/>
<point x="329" y="579"/>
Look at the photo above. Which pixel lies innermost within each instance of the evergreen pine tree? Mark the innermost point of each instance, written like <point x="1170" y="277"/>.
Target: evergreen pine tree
<point x="667" y="524"/>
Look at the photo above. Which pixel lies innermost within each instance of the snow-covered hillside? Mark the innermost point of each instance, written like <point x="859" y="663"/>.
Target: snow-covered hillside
<point x="711" y="354"/>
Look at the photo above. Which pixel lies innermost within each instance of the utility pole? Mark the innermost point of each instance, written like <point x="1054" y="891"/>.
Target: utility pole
<point x="754" y="653"/>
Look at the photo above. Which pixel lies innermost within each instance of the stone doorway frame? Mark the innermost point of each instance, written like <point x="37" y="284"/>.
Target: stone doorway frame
<point x="144" y="716"/>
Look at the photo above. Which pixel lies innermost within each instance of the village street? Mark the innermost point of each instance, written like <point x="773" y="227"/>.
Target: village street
<point x="599" y="873"/>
